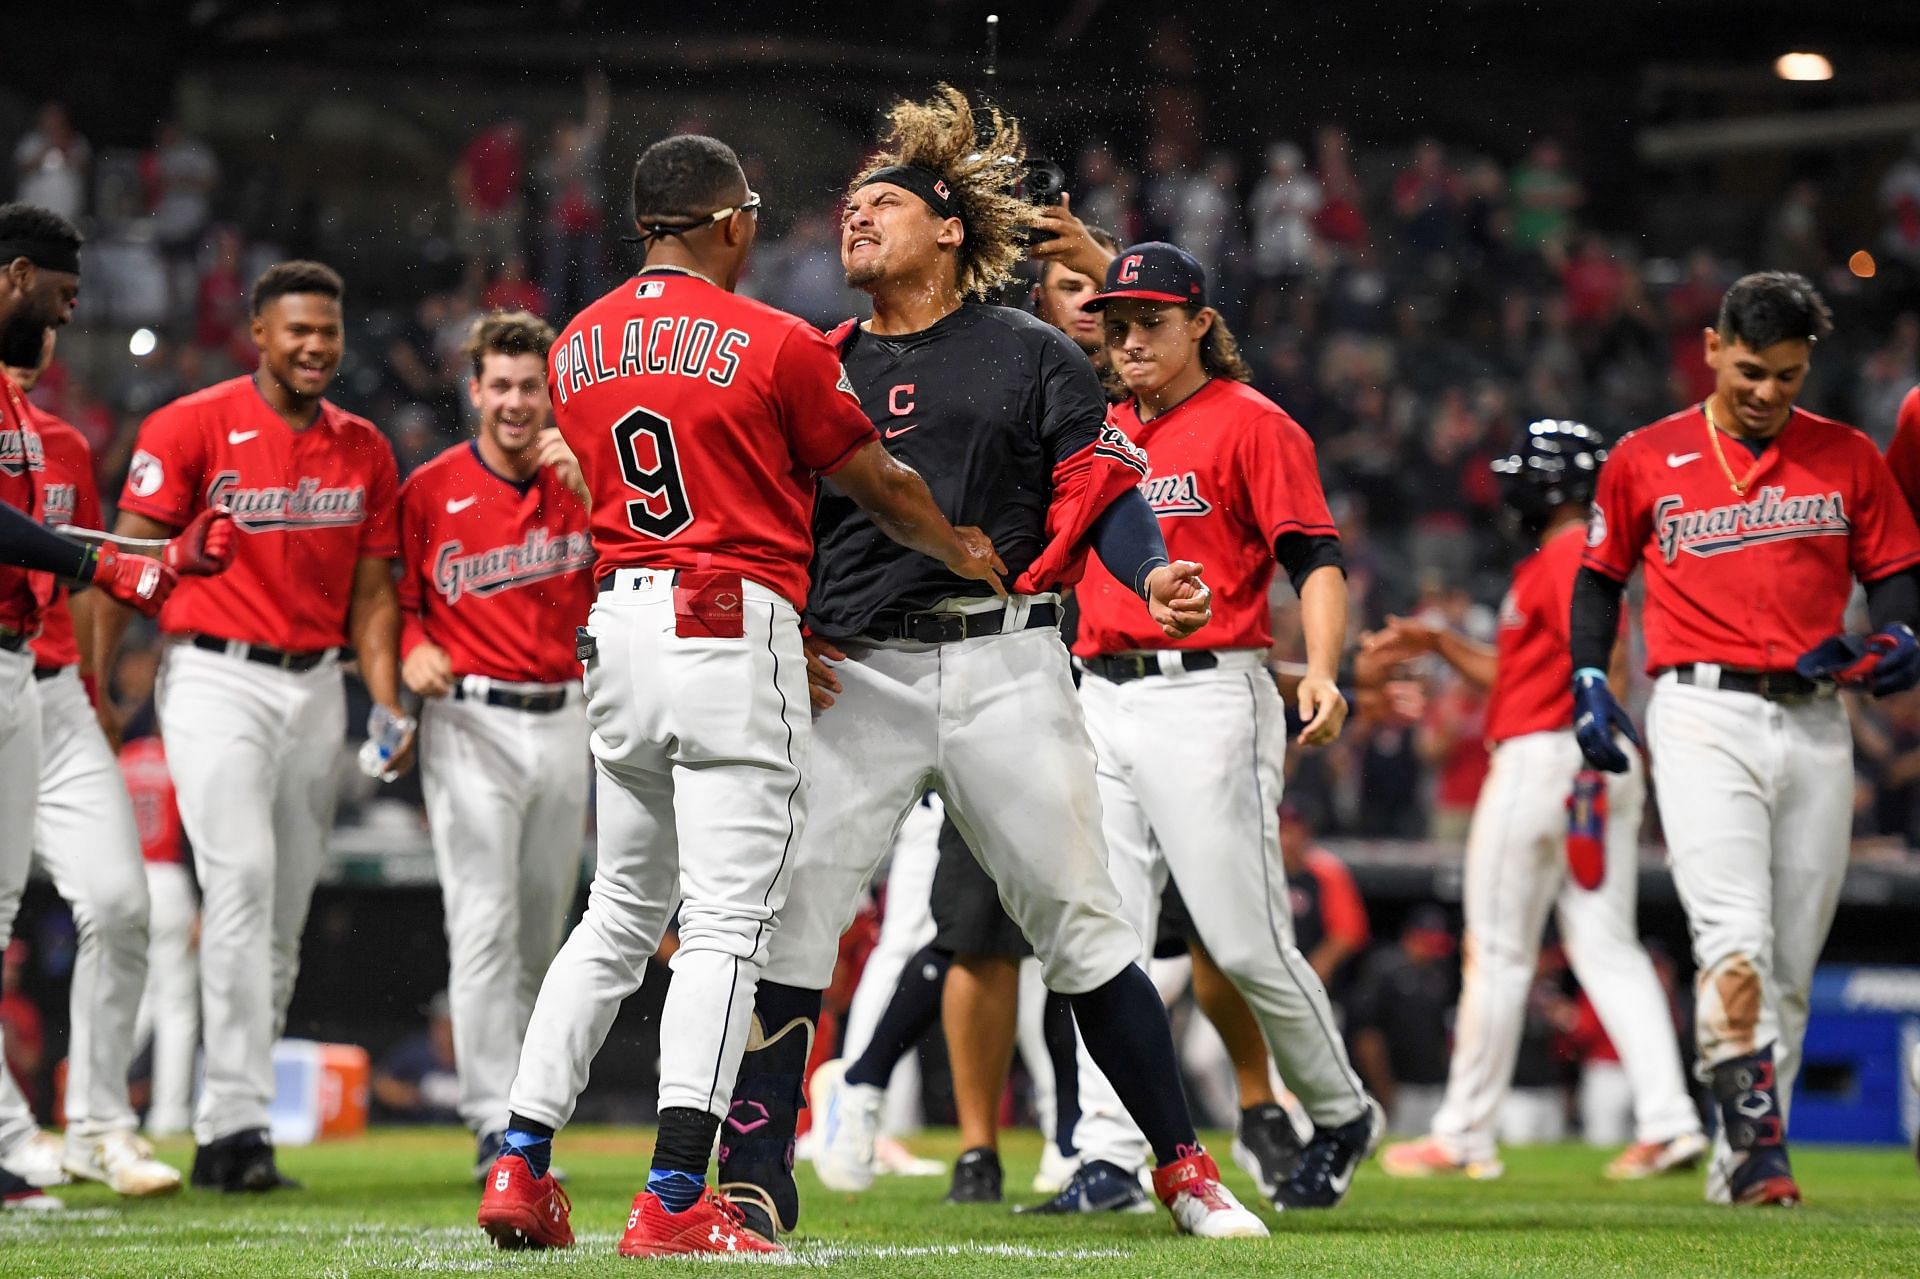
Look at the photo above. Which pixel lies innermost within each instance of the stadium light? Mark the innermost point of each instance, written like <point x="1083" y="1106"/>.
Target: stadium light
<point x="142" y="342"/>
<point x="1803" y="66"/>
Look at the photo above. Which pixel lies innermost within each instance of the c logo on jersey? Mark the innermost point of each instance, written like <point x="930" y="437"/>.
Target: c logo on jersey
<point x="1771" y="516"/>
<point x="57" y="504"/>
<point x="539" y="556"/>
<point x="894" y="406"/>
<point x="1175" y="494"/>
<point x="21" y="451"/>
<point x="1129" y="269"/>
<point x="305" y="505"/>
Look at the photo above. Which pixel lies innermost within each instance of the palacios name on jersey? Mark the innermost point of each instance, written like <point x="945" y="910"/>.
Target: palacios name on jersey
<point x="650" y="345"/>
<point x="305" y="505"/>
<point x="21" y="451"/>
<point x="538" y="557"/>
<point x="1770" y="516"/>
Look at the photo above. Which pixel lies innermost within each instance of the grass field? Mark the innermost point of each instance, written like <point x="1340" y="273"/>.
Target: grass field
<point x="398" y="1204"/>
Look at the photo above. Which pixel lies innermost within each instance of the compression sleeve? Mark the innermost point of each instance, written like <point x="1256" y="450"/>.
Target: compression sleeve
<point x="26" y="543"/>
<point x="1300" y="554"/>
<point x="1126" y="537"/>
<point x="1894" y="598"/>
<point x="1595" y="624"/>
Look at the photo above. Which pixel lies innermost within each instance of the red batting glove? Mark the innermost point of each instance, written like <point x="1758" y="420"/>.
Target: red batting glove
<point x="133" y="579"/>
<point x="205" y="546"/>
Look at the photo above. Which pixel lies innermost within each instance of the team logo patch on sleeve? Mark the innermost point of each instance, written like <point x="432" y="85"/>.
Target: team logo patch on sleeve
<point x="145" y="475"/>
<point x="1113" y="443"/>
<point x="845" y="383"/>
<point x="1596" y="525"/>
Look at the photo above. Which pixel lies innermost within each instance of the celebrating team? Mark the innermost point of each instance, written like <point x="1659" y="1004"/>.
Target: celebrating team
<point x="919" y="491"/>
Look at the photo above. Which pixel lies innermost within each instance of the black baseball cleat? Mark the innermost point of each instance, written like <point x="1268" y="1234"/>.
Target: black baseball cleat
<point x="977" y="1178"/>
<point x="1267" y="1147"/>
<point x="1097" y="1186"/>
<point x="239" y="1163"/>
<point x="1326" y="1165"/>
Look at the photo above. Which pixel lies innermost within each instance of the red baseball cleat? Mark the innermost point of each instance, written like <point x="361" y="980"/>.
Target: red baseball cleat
<point x="520" y="1210"/>
<point x="711" y="1225"/>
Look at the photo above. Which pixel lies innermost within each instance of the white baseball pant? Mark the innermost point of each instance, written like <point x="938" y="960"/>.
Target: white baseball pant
<point x="1757" y="800"/>
<point x="19" y="799"/>
<point x="170" y="1006"/>
<point x="1190" y="780"/>
<point x="506" y="794"/>
<point x="700" y="744"/>
<point x="86" y="840"/>
<point x="991" y="723"/>
<point x="252" y="750"/>
<point x="1516" y="872"/>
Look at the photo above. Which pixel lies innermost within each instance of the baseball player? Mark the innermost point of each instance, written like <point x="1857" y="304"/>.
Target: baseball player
<point x="1903" y="452"/>
<point x="39" y="281"/>
<point x="700" y="420"/>
<point x="1752" y="519"/>
<point x="933" y="682"/>
<point x="1516" y="867"/>
<point x="170" y="1007"/>
<point x="250" y="694"/>
<point x="494" y="560"/>
<point x="1191" y="731"/>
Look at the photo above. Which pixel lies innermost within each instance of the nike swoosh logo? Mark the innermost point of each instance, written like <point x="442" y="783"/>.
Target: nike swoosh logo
<point x="1681" y="459"/>
<point x="454" y="508"/>
<point x="1341" y="1181"/>
<point x="240" y="437"/>
<point x="892" y="431"/>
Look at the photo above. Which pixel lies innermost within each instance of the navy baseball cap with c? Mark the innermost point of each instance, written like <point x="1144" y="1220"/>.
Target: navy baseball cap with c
<point x="1152" y="272"/>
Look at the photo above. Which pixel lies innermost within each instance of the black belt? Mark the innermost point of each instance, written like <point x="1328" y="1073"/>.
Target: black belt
<point x="12" y="642"/>
<point x="951" y="628"/>
<point x="47" y="672"/>
<point x="1772" y="685"/>
<point x="260" y="653"/>
<point x="538" y="703"/>
<point x="1118" y="668"/>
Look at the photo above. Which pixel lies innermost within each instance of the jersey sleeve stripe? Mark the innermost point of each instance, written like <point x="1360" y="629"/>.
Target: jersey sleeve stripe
<point x="846" y="455"/>
<point x="1602" y="567"/>
<point x="1891" y="567"/>
<point x="1301" y="526"/>
<point x="154" y="511"/>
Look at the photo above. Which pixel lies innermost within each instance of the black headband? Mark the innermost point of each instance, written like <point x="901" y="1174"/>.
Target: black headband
<point x="49" y="255"/>
<point x="925" y="183"/>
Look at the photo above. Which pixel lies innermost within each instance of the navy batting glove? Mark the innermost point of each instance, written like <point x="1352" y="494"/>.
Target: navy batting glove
<point x="1596" y="718"/>
<point x="1899" y="667"/>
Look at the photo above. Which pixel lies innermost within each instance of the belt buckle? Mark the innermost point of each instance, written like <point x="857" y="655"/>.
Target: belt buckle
<point x="936" y="628"/>
<point x="1138" y="664"/>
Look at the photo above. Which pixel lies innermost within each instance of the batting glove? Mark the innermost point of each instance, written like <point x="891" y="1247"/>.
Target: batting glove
<point x="205" y="546"/>
<point x="132" y="579"/>
<point x="1885" y="662"/>
<point x="1596" y="718"/>
<point x="1899" y="667"/>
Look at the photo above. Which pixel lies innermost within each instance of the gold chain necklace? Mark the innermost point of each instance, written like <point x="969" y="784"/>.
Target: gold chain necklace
<point x="1739" y="484"/>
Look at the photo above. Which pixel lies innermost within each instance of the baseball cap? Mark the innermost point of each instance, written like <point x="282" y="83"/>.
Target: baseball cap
<point x="1153" y="272"/>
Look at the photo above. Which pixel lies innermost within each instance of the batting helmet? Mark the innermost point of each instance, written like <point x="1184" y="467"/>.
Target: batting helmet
<point x="1554" y="464"/>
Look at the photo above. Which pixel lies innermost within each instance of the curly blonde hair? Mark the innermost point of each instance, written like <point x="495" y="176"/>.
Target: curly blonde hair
<point x="943" y="135"/>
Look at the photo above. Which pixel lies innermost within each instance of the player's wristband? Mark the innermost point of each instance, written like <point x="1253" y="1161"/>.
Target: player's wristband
<point x="1594" y="671"/>
<point x="1146" y="571"/>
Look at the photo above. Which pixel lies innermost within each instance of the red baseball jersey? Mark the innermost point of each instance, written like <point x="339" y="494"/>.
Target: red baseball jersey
<point x="492" y="570"/>
<point x="23" y="462"/>
<point x="69" y="496"/>
<point x="1748" y="581"/>
<point x="1230" y="472"/>
<point x="701" y="420"/>
<point x="1903" y="454"/>
<point x="1535" y="666"/>
<point x="156" y="813"/>
<point x="310" y="505"/>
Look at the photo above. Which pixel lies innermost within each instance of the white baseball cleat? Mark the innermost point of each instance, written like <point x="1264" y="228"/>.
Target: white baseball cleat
<point x="123" y="1162"/>
<point x="1056" y="1170"/>
<point x="37" y="1160"/>
<point x="848" y="1116"/>
<point x="1201" y="1206"/>
<point x="892" y="1158"/>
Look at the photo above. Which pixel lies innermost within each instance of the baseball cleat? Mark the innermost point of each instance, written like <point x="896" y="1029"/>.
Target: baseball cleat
<point x="977" y="1178"/>
<point x="1096" y="1186"/>
<point x="757" y="1210"/>
<point x="38" y="1160"/>
<point x="848" y="1116"/>
<point x="123" y="1161"/>
<point x="1056" y="1170"/>
<point x="892" y="1158"/>
<point x="712" y="1225"/>
<point x="19" y="1194"/>
<point x="240" y="1162"/>
<point x="519" y="1210"/>
<point x="1266" y="1146"/>
<point x="1325" y="1170"/>
<point x="1429" y="1157"/>
<point x="1190" y="1188"/>
<point x="1753" y="1178"/>
<point x="1651" y="1158"/>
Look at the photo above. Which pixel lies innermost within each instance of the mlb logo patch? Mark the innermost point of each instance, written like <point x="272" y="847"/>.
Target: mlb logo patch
<point x="650" y="289"/>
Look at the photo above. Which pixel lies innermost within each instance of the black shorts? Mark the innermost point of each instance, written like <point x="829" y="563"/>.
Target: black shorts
<point x="968" y="918"/>
<point x="1176" y="925"/>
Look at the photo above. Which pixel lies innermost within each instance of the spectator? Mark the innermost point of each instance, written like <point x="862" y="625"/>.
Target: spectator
<point x="1282" y="209"/>
<point x="573" y="221"/>
<point x="1900" y="202"/>
<point x="511" y="290"/>
<point x="415" y="1082"/>
<point x="1104" y="194"/>
<point x="1329" y="919"/>
<point x="1793" y="233"/>
<point x="1545" y="197"/>
<point x="1426" y="200"/>
<point x="51" y="164"/>
<point x="180" y="173"/>
<point x="1398" y="1019"/>
<point x="1340" y="221"/>
<point x="487" y="203"/>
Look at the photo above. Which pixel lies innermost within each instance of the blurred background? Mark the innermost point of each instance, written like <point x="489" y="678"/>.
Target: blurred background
<point x="1430" y="223"/>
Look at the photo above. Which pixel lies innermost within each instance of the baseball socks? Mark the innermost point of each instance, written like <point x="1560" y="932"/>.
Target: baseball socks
<point x="531" y="1140"/>
<point x="910" y="1014"/>
<point x="680" y="1156"/>
<point x="1125" y="1026"/>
